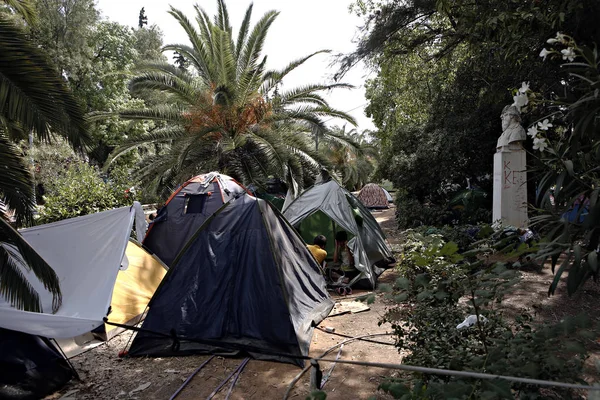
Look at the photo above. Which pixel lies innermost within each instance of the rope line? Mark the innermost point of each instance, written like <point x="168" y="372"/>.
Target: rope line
<point x="190" y="378"/>
<point x="464" y="374"/>
<point x="235" y="372"/>
<point x="235" y="378"/>
<point x="351" y="337"/>
<point x="403" y="367"/>
<point x="329" y="350"/>
<point x="328" y="375"/>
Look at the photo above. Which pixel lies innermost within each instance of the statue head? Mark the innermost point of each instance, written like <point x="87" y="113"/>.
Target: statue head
<point x="510" y="116"/>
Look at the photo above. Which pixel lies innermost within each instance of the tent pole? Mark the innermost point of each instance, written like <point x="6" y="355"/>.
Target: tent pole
<point x="66" y="358"/>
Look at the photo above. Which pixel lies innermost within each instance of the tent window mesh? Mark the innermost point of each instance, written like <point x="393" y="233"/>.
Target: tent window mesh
<point x="195" y="204"/>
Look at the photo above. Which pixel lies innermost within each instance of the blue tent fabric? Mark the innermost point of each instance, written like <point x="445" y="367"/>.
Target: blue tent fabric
<point x="30" y="366"/>
<point x="245" y="277"/>
<point x="186" y="210"/>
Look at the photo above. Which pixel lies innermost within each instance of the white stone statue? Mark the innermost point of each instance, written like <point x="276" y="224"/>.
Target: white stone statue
<point x="510" y="178"/>
<point x="512" y="131"/>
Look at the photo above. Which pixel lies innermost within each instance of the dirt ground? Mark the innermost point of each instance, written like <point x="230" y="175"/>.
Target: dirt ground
<point x="106" y="376"/>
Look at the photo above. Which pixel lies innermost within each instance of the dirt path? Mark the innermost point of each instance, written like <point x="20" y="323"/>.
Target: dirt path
<point x="106" y="376"/>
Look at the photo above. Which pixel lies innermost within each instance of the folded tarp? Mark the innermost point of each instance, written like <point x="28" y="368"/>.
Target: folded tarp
<point x="86" y="254"/>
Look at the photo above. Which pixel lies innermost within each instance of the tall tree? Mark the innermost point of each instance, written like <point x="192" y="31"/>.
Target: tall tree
<point x="445" y="73"/>
<point x="180" y="61"/>
<point x="142" y="19"/>
<point x="224" y="114"/>
<point x="96" y="58"/>
<point x="33" y="98"/>
<point x="353" y="164"/>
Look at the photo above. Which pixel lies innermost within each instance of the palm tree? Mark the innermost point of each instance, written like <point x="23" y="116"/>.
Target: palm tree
<point x="227" y="111"/>
<point x="33" y="99"/>
<point x="352" y="163"/>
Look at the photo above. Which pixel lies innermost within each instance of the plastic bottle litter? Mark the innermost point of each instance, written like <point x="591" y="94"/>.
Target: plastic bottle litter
<point x="470" y="321"/>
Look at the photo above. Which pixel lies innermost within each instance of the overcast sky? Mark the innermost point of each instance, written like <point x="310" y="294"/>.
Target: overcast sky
<point x="301" y="28"/>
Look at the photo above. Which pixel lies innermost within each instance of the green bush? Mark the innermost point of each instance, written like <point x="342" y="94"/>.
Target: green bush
<point x="439" y="287"/>
<point x="410" y="213"/>
<point x="80" y="190"/>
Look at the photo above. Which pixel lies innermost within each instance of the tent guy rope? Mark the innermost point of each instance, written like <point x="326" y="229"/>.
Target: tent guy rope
<point x="403" y="367"/>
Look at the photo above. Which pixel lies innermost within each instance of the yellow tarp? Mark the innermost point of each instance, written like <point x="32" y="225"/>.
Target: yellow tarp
<point x="135" y="286"/>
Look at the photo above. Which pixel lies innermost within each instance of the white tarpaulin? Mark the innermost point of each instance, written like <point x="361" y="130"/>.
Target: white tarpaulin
<point x="86" y="254"/>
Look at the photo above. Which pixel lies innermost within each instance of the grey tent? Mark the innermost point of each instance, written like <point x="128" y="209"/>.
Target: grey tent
<point x="327" y="208"/>
<point x="186" y="210"/>
<point x="388" y="196"/>
<point x="244" y="283"/>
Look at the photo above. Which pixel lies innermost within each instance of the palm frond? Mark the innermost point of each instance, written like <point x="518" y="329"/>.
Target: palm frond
<point x="13" y="285"/>
<point x="16" y="181"/>
<point x="198" y="53"/>
<point x="172" y="113"/>
<point x="243" y="33"/>
<point x="161" y="135"/>
<point x="222" y="18"/>
<point x="295" y="95"/>
<point x="205" y="25"/>
<point x="254" y="45"/>
<point x="273" y="77"/>
<point x="225" y="60"/>
<point x="343" y="141"/>
<point x="270" y="152"/>
<point x="248" y="83"/>
<point x="325" y="111"/>
<point x="166" y="68"/>
<point x="301" y="97"/>
<point x="184" y="91"/>
<point x="313" y="120"/>
<point x="32" y="93"/>
<point x="25" y="8"/>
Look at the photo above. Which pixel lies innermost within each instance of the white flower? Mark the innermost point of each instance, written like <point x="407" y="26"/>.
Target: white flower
<point x="568" y="53"/>
<point x="545" y="125"/>
<point x="521" y="100"/>
<point x="540" y="144"/>
<point x="532" y="131"/>
<point x="551" y="41"/>
<point x="544" y="53"/>
<point x="524" y="87"/>
<point x="561" y="37"/>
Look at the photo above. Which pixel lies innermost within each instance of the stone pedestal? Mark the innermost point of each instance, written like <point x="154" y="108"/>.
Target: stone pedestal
<point x="510" y="186"/>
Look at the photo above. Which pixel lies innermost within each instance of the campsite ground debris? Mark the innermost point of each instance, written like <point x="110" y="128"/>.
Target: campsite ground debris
<point x="259" y="380"/>
<point x="106" y="376"/>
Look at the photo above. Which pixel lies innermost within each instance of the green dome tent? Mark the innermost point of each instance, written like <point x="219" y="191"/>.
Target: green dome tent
<point x="327" y="208"/>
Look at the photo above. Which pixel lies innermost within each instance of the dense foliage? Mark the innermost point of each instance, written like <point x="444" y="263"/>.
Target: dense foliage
<point x="567" y="154"/>
<point x="445" y="70"/>
<point x="354" y="165"/>
<point x="225" y="110"/>
<point x="33" y="101"/>
<point x="439" y="287"/>
<point x="96" y="57"/>
<point x="81" y="191"/>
